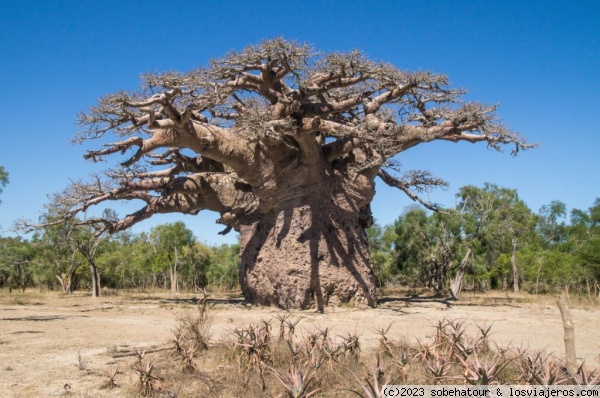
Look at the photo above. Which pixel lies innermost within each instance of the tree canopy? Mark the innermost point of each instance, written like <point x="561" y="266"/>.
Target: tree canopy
<point x="226" y="135"/>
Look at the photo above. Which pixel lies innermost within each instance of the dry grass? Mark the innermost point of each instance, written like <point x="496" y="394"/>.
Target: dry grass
<point x="253" y="362"/>
<point x="278" y="356"/>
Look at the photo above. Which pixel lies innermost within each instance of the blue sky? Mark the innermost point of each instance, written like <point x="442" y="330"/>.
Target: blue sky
<point x="539" y="59"/>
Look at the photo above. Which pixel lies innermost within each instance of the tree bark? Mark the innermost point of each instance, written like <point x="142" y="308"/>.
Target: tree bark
<point x="456" y="284"/>
<point x="95" y="280"/>
<point x="69" y="284"/>
<point x="98" y="281"/>
<point x="173" y="278"/>
<point x="307" y="255"/>
<point x="513" y="261"/>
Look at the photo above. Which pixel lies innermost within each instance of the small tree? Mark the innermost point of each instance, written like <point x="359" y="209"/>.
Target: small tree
<point x="88" y="244"/>
<point x="199" y="257"/>
<point x="17" y="258"/>
<point x="224" y="267"/>
<point x="494" y="217"/>
<point x="58" y="247"/>
<point x="170" y="241"/>
<point x="428" y="244"/>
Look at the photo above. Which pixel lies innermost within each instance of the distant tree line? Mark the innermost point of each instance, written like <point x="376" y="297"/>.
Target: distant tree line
<point x="490" y="239"/>
<point x="169" y="257"/>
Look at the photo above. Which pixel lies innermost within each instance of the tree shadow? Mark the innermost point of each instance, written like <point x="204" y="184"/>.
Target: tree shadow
<point x="447" y="301"/>
<point x="43" y="318"/>
<point x="210" y="301"/>
<point x="416" y="300"/>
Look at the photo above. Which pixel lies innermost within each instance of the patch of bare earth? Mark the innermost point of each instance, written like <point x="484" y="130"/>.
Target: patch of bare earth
<point x="54" y="345"/>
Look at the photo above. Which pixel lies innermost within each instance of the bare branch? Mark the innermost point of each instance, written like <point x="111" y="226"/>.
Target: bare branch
<point x="405" y="187"/>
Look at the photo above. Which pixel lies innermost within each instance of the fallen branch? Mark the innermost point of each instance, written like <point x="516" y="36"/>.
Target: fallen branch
<point x="135" y="352"/>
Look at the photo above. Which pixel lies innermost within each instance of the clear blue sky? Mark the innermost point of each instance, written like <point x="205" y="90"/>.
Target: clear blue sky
<point x="539" y="59"/>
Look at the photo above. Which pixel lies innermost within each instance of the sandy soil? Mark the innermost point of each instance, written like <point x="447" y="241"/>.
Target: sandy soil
<point x="53" y="345"/>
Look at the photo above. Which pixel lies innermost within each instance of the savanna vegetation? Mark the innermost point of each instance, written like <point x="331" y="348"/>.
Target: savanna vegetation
<point x="274" y="359"/>
<point x="489" y="240"/>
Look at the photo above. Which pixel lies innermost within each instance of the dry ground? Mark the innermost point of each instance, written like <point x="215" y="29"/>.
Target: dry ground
<point x="53" y="345"/>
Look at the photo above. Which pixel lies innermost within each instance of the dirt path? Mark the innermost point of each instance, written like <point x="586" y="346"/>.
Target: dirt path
<point x="51" y="345"/>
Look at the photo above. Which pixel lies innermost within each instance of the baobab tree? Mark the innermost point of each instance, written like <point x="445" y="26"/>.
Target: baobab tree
<point x="286" y="145"/>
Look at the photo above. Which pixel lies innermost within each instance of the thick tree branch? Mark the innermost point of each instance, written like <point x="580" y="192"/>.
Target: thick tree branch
<point x="339" y="148"/>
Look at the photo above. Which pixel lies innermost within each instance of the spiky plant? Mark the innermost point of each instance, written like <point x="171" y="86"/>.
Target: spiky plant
<point x="112" y="379"/>
<point x="538" y="368"/>
<point x="291" y="326"/>
<point x="146" y="384"/>
<point x="483" y="371"/>
<point x="282" y="319"/>
<point x="583" y="377"/>
<point x="437" y="366"/>
<point x="372" y="387"/>
<point x="351" y="345"/>
<point x="297" y="384"/>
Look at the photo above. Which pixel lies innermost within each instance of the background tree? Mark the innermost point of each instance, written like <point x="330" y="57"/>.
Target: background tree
<point x="513" y="220"/>
<point x="17" y="259"/>
<point x="285" y="144"/>
<point x="585" y="237"/>
<point x="118" y="259"/>
<point x="89" y="245"/>
<point x="60" y="253"/>
<point x="426" y="245"/>
<point x="3" y="179"/>
<point x="477" y="206"/>
<point x="381" y="248"/>
<point x="551" y="223"/>
<point x="224" y="269"/>
<point x="170" y="241"/>
<point x="494" y="218"/>
<point x="198" y="257"/>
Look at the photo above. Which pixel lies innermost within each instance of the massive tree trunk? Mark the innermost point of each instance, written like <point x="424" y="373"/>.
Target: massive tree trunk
<point x="307" y="255"/>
